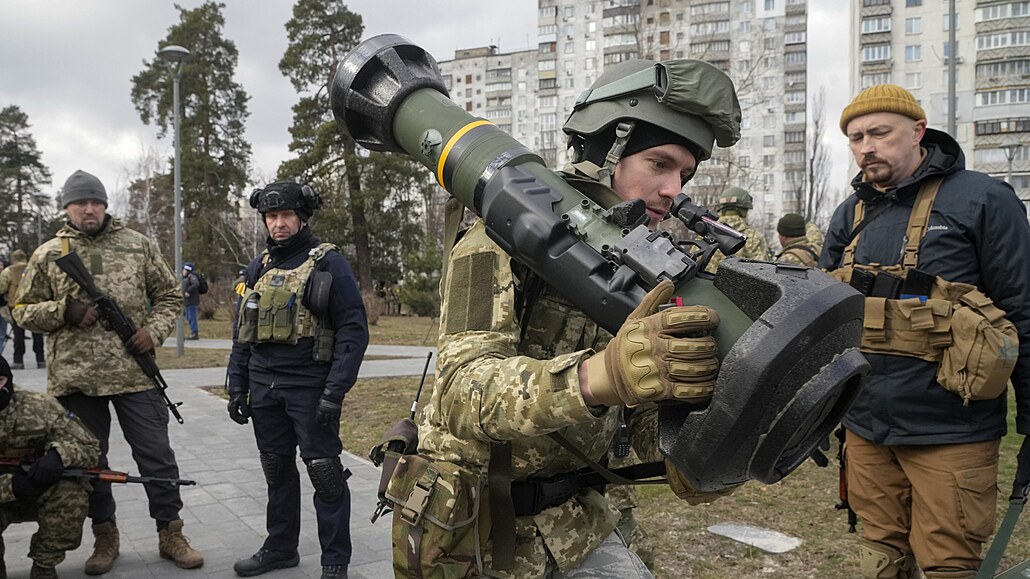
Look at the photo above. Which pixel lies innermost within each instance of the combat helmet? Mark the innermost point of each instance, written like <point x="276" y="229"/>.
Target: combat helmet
<point x="283" y="195"/>
<point x="735" y="197"/>
<point x="691" y="99"/>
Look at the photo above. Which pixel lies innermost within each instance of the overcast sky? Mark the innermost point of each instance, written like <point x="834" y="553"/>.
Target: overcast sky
<point x="69" y="63"/>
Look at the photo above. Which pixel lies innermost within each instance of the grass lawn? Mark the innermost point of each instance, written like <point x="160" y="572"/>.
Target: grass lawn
<point x="801" y="505"/>
<point x="391" y="330"/>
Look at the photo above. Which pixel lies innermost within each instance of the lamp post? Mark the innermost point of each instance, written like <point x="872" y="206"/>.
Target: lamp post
<point x="177" y="54"/>
<point x="1011" y="150"/>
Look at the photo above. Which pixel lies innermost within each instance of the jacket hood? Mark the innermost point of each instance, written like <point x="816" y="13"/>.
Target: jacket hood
<point x="943" y="156"/>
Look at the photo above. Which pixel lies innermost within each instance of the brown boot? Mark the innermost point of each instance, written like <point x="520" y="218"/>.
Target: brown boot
<point x="105" y="548"/>
<point x="175" y="546"/>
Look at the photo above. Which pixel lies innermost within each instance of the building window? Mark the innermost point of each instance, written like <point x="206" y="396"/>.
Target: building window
<point x="794" y="137"/>
<point x="911" y="3"/>
<point x="869" y="80"/>
<point x="769" y="140"/>
<point x="794" y="38"/>
<point x="913" y="79"/>
<point x="770" y="4"/>
<point x="913" y="53"/>
<point x="914" y="25"/>
<point x="876" y="52"/>
<point x="945" y="20"/>
<point x="875" y="24"/>
<point x="794" y="97"/>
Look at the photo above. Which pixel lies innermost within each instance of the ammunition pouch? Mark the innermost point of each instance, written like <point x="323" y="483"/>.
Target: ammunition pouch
<point x="435" y="507"/>
<point x="247" y="320"/>
<point x="277" y="316"/>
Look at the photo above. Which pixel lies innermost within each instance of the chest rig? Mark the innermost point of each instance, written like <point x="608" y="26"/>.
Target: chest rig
<point x="275" y="309"/>
<point x="949" y="323"/>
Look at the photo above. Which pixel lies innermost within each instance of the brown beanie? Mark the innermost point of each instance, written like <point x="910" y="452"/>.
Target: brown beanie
<point x="882" y="98"/>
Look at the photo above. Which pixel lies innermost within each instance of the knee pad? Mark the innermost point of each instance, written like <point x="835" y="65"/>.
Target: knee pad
<point x="879" y="561"/>
<point x="276" y="468"/>
<point x="328" y="477"/>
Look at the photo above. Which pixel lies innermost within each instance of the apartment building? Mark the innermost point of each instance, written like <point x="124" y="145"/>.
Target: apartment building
<point x="906" y="42"/>
<point x="761" y="44"/>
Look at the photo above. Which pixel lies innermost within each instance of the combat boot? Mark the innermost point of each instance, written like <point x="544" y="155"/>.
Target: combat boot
<point x="173" y="545"/>
<point x="878" y="561"/>
<point x="40" y="572"/>
<point x="105" y="548"/>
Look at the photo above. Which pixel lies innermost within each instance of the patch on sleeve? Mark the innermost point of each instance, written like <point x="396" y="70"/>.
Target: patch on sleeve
<point x="470" y="293"/>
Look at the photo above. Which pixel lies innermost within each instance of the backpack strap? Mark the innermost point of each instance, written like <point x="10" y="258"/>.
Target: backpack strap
<point x="918" y="222"/>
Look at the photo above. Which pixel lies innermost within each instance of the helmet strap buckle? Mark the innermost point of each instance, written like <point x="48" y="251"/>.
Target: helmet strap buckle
<point x="622" y="133"/>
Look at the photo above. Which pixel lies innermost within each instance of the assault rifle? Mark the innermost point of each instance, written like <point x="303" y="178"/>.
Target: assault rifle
<point x="100" y="474"/>
<point x="113" y="318"/>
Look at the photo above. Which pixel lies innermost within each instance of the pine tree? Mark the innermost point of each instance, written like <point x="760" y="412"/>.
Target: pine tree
<point x="22" y="177"/>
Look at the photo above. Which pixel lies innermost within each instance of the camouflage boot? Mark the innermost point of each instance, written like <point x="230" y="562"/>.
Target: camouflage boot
<point x="175" y="546"/>
<point x="105" y="548"/>
<point x="39" y="572"/>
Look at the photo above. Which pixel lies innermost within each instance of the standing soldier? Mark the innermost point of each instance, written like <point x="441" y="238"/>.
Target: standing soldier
<point x="35" y="426"/>
<point x="734" y="203"/>
<point x="923" y="435"/>
<point x="296" y="352"/>
<point x="815" y="236"/>
<point x="10" y="277"/>
<point x="91" y="370"/>
<point x="796" y="248"/>
<point x="191" y="295"/>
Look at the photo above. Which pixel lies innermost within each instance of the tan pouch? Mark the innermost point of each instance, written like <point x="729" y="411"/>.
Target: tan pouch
<point x="434" y="507"/>
<point x="984" y="349"/>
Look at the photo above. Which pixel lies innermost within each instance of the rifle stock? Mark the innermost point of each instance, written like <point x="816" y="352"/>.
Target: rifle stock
<point x="100" y="474"/>
<point x="113" y="318"/>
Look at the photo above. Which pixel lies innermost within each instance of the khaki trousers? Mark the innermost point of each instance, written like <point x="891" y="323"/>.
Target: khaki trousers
<point x="935" y="501"/>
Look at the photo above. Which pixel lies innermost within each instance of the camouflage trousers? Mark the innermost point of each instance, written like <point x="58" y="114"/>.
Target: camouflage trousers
<point x="59" y="513"/>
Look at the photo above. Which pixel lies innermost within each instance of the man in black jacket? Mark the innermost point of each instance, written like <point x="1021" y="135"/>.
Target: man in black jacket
<point x="922" y="464"/>
<point x="296" y="351"/>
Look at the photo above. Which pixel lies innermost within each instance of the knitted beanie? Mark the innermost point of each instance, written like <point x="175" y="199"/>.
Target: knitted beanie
<point x="81" y="186"/>
<point x="882" y="98"/>
<point x="791" y="225"/>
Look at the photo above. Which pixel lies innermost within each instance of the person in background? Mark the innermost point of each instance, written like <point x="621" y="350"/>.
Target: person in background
<point x="36" y="426"/>
<point x="191" y="296"/>
<point x="296" y="353"/>
<point x="91" y="370"/>
<point x="734" y="204"/>
<point x="923" y="459"/>
<point x="10" y="277"/>
<point x="796" y="249"/>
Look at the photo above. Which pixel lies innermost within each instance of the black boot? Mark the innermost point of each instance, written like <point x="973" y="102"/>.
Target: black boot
<point x="334" y="572"/>
<point x="264" y="561"/>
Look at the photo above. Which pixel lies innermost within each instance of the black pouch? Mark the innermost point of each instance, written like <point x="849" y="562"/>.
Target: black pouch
<point x="917" y="284"/>
<point x="886" y="285"/>
<point x="862" y="281"/>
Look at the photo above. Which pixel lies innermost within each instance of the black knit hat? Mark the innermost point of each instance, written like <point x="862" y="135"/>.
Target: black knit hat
<point x="791" y="225"/>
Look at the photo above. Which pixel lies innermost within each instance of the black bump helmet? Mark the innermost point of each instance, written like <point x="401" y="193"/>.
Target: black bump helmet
<point x="283" y="195"/>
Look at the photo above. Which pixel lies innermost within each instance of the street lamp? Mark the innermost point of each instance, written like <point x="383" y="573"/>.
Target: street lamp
<point x="177" y="55"/>
<point x="1011" y="150"/>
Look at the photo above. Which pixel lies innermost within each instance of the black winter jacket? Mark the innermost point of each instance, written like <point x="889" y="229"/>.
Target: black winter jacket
<point x="286" y="366"/>
<point x="978" y="234"/>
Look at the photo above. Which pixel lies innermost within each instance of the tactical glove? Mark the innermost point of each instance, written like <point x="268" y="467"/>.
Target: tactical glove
<point x="657" y="355"/>
<point x="328" y="412"/>
<point x="686" y="491"/>
<point x="79" y="314"/>
<point x="141" y="342"/>
<point x="1022" y="469"/>
<point x="46" y="471"/>
<point x="239" y="407"/>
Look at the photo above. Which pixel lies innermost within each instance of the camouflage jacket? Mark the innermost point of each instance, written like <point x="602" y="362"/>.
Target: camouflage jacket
<point x="499" y="380"/>
<point x="815" y="237"/>
<point x="799" y="252"/>
<point x="33" y="424"/>
<point x="755" y="248"/>
<point x="128" y="268"/>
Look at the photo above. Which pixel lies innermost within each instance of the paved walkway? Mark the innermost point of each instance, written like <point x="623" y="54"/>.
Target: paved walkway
<point x="224" y="513"/>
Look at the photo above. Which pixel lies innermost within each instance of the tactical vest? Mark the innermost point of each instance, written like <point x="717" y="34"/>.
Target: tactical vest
<point x="274" y="311"/>
<point x="956" y="325"/>
<point x="804" y="253"/>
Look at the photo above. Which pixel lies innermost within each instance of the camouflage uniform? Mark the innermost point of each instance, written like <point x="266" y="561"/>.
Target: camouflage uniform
<point x="89" y="367"/>
<point x="799" y="252"/>
<point x="501" y="382"/>
<point x="815" y="237"/>
<point x="756" y="247"/>
<point x="33" y="424"/>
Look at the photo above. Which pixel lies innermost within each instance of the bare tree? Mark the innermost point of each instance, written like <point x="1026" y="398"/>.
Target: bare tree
<point x="814" y="195"/>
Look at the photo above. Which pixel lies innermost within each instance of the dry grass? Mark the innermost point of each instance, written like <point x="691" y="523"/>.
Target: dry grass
<point x="391" y="330"/>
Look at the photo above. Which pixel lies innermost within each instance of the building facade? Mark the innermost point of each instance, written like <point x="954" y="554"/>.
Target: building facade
<point x="761" y="44"/>
<point x="907" y="42"/>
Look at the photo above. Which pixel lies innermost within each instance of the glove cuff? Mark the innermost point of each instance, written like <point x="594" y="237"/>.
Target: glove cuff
<point x="599" y="383"/>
